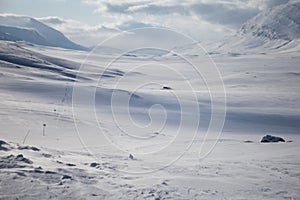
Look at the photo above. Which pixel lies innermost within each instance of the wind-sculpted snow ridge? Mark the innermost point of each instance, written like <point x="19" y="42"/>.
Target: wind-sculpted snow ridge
<point x="22" y="28"/>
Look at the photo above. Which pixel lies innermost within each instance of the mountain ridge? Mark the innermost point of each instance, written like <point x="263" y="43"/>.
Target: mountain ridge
<point x="280" y="22"/>
<point x="274" y="29"/>
<point x="23" y="28"/>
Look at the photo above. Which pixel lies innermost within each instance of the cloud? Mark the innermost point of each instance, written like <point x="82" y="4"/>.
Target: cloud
<point x="199" y="19"/>
<point x="226" y="14"/>
<point x="51" y="20"/>
<point x="234" y="12"/>
<point x="210" y="17"/>
<point x="129" y="25"/>
<point x="87" y="35"/>
<point x="265" y="4"/>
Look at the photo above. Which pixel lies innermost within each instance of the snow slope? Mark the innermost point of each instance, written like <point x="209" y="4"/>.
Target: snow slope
<point x="271" y="30"/>
<point x="85" y="154"/>
<point x="22" y="28"/>
<point x="280" y="22"/>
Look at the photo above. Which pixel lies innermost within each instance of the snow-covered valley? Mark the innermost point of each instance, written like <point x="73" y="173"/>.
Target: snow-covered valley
<point x="83" y="153"/>
<point x="151" y="113"/>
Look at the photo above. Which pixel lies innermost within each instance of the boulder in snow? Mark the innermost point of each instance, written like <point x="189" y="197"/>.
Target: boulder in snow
<point x="270" y="138"/>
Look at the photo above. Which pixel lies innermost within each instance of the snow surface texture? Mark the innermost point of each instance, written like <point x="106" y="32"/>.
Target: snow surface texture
<point x="20" y="28"/>
<point x="36" y="88"/>
<point x="79" y="125"/>
<point x="226" y="174"/>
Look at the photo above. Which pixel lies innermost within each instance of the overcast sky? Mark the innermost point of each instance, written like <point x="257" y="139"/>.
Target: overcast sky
<point x="90" y="21"/>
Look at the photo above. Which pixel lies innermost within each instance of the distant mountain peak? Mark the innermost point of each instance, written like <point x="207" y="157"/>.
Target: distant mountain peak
<point x="23" y="28"/>
<point x="272" y="30"/>
<point x="279" y="22"/>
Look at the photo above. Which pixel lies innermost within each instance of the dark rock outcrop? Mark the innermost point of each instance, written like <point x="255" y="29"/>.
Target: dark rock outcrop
<point x="271" y="138"/>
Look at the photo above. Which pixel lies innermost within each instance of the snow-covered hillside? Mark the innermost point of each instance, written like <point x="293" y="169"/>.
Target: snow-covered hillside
<point x="272" y="30"/>
<point x="279" y="22"/>
<point x="22" y="28"/>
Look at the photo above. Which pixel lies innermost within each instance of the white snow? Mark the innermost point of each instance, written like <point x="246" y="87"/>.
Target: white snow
<point x="94" y="125"/>
<point x="36" y="88"/>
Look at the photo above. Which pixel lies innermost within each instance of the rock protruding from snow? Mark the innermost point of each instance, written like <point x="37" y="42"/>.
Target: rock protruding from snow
<point x="131" y="157"/>
<point x="12" y="161"/>
<point x="270" y="138"/>
<point x="94" y="164"/>
<point x="3" y="146"/>
<point x="28" y="148"/>
<point x="166" y="88"/>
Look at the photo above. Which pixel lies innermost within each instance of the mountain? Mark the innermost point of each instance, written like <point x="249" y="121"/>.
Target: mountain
<point x="280" y="22"/>
<point x="21" y="28"/>
<point x="274" y="29"/>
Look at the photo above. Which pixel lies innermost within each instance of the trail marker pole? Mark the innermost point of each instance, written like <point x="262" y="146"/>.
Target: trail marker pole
<point x="44" y="129"/>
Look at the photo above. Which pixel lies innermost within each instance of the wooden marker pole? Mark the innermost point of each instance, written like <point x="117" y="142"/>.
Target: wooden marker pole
<point x="44" y="129"/>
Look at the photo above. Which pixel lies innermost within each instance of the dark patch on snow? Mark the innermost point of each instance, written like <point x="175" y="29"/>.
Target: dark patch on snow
<point x="36" y="170"/>
<point x="3" y="145"/>
<point x="21" y="158"/>
<point x="12" y="161"/>
<point x="70" y="164"/>
<point x="131" y="156"/>
<point x="294" y="73"/>
<point x="28" y="148"/>
<point x="46" y="155"/>
<point x="66" y="177"/>
<point x="113" y="73"/>
<point x="233" y="54"/>
<point x="21" y="174"/>
<point x="2" y="142"/>
<point x="50" y="172"/>
<point x="166" y="88"/>
<point x="94" y="164"/>
<point x="270" y="138"/>
<point x="164" y="183"/>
